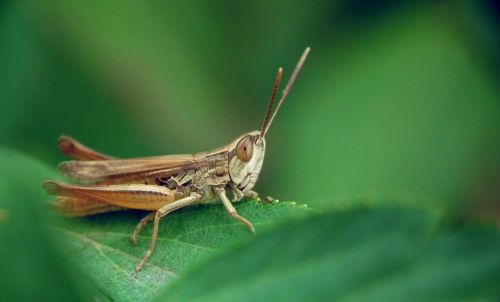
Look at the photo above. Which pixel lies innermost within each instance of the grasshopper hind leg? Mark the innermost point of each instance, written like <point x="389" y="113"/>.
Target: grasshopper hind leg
<point x="142" y="223"/>
<point x="156" y="216"/>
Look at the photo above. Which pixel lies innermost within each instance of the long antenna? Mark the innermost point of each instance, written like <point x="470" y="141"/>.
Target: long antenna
<point x="273" y="97"/>
<point x="288" y="86"/>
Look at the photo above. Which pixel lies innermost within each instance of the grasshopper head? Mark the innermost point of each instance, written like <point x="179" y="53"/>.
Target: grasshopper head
<point x="250" y="148"/>
<point x="247" y="158"/>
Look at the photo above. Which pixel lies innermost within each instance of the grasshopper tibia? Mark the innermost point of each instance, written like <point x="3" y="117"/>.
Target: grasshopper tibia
<point x="157" y="216"/>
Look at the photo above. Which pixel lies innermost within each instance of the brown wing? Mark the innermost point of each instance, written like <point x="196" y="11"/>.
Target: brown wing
<point x="94" y="166"/>
<point x="78" y="151"/>
<point x="128" y="169"/>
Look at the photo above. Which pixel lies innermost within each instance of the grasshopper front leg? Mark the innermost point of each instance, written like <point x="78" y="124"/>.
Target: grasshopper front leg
<point x="232" y="211"/>
<point x="238" y="194"/>
<point x="251" y="194"/>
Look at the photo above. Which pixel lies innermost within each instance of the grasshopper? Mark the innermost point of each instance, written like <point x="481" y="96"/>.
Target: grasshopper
<point x="162" y="184"/>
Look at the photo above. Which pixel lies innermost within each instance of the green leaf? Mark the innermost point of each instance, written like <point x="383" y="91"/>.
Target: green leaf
<point x="99" y="246"/>
<point x="32" y="269"/>
<point x="366" y="254"/>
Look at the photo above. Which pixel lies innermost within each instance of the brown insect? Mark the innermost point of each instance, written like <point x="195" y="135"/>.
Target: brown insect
<point x="163" y="184"/>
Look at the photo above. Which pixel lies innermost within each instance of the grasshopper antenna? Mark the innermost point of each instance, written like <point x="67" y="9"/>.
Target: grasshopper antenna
<point x="268" y="121"/>
<point x="271" y="101"/>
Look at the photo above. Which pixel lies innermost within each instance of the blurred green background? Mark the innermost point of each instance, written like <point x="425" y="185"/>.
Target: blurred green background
<point x="397" y="98"/>
<point x="398" y="103"/>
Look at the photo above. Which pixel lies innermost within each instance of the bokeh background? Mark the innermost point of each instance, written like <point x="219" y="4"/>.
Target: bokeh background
<point x="398" y="98"/>
<point x="399" y="103"/>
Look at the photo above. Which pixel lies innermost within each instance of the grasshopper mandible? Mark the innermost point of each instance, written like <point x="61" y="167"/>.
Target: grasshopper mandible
<point x="163" y="184"/>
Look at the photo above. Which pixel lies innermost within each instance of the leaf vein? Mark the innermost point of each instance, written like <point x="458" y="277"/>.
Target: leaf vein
<point x="159" y="238"/>
<point x="99" y="246"/>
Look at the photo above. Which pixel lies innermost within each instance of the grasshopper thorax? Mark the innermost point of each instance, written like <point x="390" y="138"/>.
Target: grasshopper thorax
<point x="245" y="162"/>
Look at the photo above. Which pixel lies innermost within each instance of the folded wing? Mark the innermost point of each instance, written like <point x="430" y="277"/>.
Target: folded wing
<point x="117" y="169"/>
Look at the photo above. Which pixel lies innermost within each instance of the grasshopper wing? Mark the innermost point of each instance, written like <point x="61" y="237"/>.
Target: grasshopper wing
<point x="123" y="170"/>
<point x="94" y="166"/>
<point x="78" y="151"/>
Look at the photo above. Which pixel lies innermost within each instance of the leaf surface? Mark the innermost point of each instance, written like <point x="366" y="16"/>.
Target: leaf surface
<point x="32" y="267"/>
<point x="100" y="248"/>
<point x="366" y="254"/>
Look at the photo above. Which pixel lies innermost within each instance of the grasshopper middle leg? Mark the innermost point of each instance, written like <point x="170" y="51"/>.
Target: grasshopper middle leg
<point x="232" y="211"/>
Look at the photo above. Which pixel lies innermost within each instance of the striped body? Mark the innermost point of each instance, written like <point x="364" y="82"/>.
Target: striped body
<point x="163" y="184"/>
<point x="149" y="183"/>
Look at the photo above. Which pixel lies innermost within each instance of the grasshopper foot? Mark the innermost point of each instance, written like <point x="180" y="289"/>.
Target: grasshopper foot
<point x="252" y="195"/>
<point x="270" y="199"/>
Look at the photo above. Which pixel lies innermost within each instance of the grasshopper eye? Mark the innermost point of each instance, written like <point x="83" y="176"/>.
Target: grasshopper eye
<point x="244" y="149"/>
